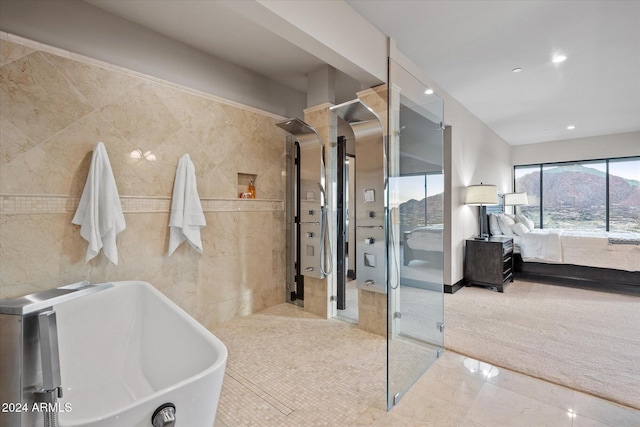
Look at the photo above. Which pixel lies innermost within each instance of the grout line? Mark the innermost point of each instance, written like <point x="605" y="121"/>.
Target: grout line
<point x="11" y="204"/>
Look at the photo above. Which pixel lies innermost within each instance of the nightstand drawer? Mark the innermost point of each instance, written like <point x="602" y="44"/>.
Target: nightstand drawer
<point x="507" y="248"/>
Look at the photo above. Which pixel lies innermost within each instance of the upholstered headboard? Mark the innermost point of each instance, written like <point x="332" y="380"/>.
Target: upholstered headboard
<point x="494" y="209"/>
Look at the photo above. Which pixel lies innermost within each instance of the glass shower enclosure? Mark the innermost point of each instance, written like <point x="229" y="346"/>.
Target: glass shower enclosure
<point x="415" y="203"/>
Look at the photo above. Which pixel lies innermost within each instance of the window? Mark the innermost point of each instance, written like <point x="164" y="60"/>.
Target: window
<point x="624" y="194"/>
<point x="585" y="195"/>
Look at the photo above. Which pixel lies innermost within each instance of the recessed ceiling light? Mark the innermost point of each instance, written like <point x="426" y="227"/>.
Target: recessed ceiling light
<point x="558" y="58"/>
<point x="429" y="91"/>
<point x="516" y="70"/>
<point x="571" y="127"/>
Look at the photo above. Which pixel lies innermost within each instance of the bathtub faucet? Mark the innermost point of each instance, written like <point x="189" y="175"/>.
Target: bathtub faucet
<point x="50" y="357"/>
<point x="29" y="343"/>
<point x="48" y="328"/>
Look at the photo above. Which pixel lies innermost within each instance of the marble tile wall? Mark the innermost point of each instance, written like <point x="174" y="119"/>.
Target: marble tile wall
<point x="55" y="106"/>
<point x="372" y="306"/>
<point x="318" y="291"/>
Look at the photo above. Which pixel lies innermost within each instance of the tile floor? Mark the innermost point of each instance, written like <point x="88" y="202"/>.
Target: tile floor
<point x="289" y="368"/>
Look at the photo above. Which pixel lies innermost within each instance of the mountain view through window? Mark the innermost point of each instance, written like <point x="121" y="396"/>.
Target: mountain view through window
<point x="574" y="196"/>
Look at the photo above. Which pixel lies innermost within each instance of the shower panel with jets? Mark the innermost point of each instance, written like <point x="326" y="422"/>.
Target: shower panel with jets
<point x="392" y="213"/>
<point x="311" y="206"/>
<point x="370" y="205"/>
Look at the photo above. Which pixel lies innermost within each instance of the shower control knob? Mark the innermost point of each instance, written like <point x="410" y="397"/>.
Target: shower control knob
<point x="312" y="212"/>
<point x="310" y="234"/>
<point x="369" y="241"/>
<point x="372" y="214"/>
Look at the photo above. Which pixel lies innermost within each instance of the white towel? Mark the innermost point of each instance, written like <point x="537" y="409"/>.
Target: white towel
<point x="99" y="213"/>
<point x="187" y="217"/>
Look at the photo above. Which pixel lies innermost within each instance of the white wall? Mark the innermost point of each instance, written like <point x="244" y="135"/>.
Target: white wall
<point x="597" y="147"/>
<point x="330" y="30"/>
<point x="79" y="27"/>
<point x="477" y="155"/>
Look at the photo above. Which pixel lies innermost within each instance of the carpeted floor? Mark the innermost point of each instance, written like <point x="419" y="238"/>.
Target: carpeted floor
<point x="586" y="340"/>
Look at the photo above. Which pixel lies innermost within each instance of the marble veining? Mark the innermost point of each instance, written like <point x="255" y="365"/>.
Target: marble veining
<point x="57" y="105"/>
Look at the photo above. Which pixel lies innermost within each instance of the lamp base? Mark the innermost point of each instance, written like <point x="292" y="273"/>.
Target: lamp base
<point x="485" y="237"/>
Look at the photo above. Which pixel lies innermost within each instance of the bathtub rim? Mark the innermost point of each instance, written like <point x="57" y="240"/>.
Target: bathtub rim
<point x="218" y="345"/>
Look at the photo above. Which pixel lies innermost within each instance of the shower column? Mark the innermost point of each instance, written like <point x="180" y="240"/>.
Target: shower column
<point x="319" y="294"/>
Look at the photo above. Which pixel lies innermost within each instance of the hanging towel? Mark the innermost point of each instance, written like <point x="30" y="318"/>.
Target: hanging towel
<point x="187" y="217"/>
<point x="99" y="213"/>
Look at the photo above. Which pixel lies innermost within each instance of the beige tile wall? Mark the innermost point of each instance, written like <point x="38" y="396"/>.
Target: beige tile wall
<point x="55" y="106"/>
<point x="317" y="292"/>
<point x="372" y="306"/>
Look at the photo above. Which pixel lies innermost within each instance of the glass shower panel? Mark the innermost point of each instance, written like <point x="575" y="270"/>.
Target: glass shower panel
<point x="416" y="228"/>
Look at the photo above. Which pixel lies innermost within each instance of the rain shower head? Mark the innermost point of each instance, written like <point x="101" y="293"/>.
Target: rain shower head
<point x="355" y="112"/>
<point x="362" y="119"/>
<point x="303" y="132"/>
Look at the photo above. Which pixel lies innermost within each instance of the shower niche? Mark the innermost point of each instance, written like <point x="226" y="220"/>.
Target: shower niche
<point x="245" y="181"/>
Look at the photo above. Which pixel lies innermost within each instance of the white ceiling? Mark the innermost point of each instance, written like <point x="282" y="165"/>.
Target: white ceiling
<point x="467" y="47"/>
<point x="471" y="47"/>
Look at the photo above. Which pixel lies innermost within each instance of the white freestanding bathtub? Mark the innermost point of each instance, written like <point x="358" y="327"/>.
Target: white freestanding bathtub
<point x="127" y="350"/>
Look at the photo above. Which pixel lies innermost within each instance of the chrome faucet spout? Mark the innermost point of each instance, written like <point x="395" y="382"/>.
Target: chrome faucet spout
<point x="49" y="353"/>
<point x="50" y="357"/>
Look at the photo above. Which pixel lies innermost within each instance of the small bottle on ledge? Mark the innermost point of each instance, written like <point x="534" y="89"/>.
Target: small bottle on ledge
<point x="252" y="190"/>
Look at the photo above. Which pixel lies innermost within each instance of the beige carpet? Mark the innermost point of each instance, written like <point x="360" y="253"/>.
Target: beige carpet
<point x="585" y="340"/>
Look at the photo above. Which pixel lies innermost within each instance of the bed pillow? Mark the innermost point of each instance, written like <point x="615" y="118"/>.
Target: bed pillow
<point x="494" y="227"/>
<point x="519" y="229"/>
<point x="506" y="224"/>
<point x="521" y="218"/>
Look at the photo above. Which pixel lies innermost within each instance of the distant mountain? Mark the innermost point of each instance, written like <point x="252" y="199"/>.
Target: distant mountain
<point x="412" y="212"/>
<point x="581" y="187"/>
<point x="571" y="191"/>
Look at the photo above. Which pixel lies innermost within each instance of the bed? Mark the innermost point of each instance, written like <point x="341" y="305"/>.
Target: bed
<point x="423" y="243"/>
<point x="593" y="259"/>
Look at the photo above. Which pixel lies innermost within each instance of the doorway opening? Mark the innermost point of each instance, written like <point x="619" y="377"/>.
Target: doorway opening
<point x="347" y="291"/>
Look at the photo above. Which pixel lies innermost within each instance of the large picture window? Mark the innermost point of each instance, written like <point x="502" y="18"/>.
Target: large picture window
<point x="583" y="195"/>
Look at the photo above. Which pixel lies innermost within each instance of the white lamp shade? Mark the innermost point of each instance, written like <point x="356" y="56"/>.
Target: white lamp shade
<point x="482" y="195"/>
<point x="515" y="199"/>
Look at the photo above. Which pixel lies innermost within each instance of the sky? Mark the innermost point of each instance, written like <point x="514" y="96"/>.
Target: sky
<point x="412" y="187"/>
<point x="624" y="168"/>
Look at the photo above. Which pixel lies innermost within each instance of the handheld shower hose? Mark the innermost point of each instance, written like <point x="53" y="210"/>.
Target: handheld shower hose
<point x="323" y="235"/>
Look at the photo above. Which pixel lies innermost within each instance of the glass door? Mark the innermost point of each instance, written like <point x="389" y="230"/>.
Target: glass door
<point x="415" y="299"/>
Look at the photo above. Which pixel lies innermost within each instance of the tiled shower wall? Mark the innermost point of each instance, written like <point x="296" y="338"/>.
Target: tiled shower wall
<point x="372" y="306"/>
<point x="55" y="106"/>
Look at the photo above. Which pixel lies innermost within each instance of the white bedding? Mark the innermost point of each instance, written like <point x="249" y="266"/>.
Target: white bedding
<point x="541" y="245"/>
<point x="427" y="238"/>
<point x="589" y="248"/>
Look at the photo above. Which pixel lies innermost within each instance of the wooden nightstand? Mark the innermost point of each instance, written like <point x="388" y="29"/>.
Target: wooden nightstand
<point x="489" y="262"/>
